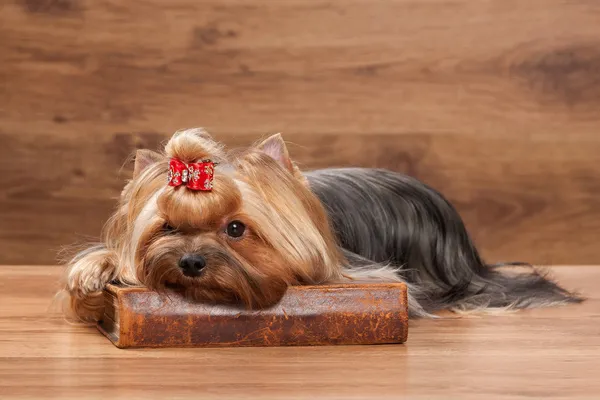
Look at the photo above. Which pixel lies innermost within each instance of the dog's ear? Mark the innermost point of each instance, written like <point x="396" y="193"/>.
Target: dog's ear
<point x="86" y="276"/>
<point x="275" y="147"/>
<point x="143" y="159"/>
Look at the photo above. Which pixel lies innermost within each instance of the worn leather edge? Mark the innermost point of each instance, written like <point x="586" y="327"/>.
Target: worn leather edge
<point x="110" y="325"/>
<point x="117" y="289"/>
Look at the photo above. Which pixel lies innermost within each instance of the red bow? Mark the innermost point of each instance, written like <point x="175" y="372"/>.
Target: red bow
<point x="195" y="176"/>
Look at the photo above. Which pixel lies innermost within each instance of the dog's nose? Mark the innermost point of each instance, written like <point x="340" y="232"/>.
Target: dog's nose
<point x="192" y="264"/>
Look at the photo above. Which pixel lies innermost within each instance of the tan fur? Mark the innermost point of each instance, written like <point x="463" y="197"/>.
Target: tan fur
<point x="287" y="240"/>
<point x="272" y="194"/>
<point x="88" y="273"/>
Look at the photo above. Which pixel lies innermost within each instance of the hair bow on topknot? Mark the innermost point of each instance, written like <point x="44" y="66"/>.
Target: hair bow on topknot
<point x="195" y="176"/>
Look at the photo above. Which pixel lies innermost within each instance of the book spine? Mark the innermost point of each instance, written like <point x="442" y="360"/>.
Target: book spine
<point x="304" y="317"/>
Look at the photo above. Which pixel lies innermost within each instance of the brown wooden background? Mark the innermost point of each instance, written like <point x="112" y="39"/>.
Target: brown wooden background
<point x="494" y="102"/>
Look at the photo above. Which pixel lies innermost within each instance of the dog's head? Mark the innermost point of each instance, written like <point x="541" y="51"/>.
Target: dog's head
<point x="258" y="230"/>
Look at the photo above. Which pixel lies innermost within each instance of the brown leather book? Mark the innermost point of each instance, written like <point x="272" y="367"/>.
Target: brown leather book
<point x="306" y="316"/>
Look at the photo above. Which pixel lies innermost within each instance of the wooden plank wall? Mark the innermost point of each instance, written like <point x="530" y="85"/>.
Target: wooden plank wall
<point x="493" y="102"/>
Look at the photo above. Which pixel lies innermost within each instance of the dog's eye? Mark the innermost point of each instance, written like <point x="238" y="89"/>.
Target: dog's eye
<point x="235" y="229"/>
<point x="168" y="228"/>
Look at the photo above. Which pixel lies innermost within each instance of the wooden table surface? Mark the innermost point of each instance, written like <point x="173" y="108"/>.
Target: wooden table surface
<point x="552" y="353"/>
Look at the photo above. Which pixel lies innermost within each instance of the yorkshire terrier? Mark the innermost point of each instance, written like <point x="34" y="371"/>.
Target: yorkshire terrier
<point x="240" y="227"/>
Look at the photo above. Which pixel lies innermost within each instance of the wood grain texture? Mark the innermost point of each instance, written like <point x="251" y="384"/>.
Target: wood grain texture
<point x="494" y="103"/>
<point x="549" y="353"/>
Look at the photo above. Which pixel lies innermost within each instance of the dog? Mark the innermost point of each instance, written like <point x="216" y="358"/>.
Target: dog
<point x="241" y="227"/>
